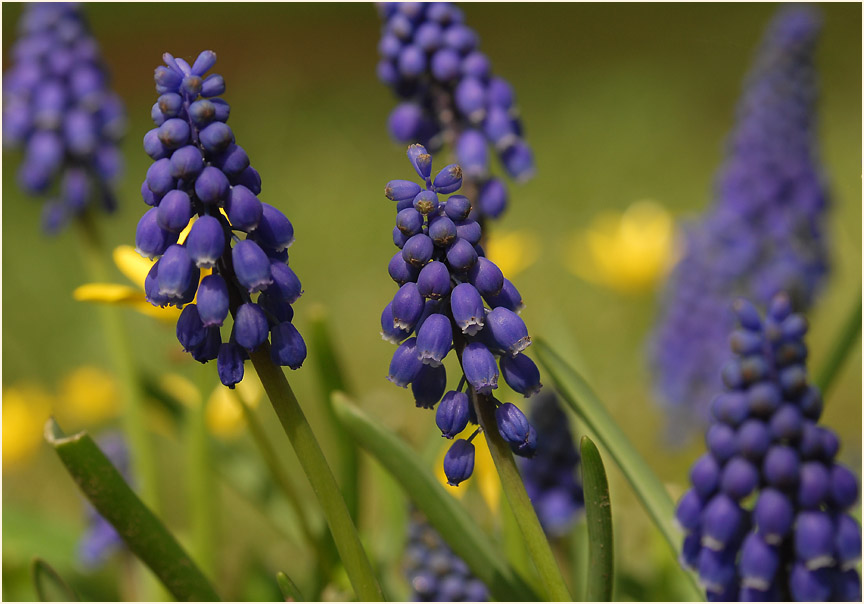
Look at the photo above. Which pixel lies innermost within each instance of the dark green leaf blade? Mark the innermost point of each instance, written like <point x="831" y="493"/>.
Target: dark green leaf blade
<point x="442" y="510"/>
<point x="289" y="589"/>
<point x="144" y="533"/>
<point x="50" y="586"/>
<point x="598" y="512"/>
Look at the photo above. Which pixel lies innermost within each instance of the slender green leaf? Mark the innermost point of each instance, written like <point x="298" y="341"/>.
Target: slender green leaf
<point x="443" y="511"/>
<point x="143" y="532"/>
<point x="598" y="515"/>
<point x="332" y="378"/>
<point x="511" y="483"/>
<point x="50" y="587"/>
<point x="320" y="476"/>
<point x="648" y="488"/>
<point x="289" y="589"/>
<point x="842" y="345"/>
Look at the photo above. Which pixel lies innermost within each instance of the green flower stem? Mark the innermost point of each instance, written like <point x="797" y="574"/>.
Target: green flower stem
<point x="200" y="479"/>
<point x="655" y="500"/>
<point x="320" y="476"/>
<point x="321" y="545"/>
<point x="843" y="344"/>
<point x="134" y="419"/>
<point x="514" y="491"/>
<point x="598" y="517"/>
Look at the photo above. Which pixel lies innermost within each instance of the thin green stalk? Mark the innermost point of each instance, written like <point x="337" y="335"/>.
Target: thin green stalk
<point x="514" y="491"/>
<point x="134" y="420"/>
<point x="202" y="487"/>
<point x="320" y="476"/>
<point x="842" y="346"/>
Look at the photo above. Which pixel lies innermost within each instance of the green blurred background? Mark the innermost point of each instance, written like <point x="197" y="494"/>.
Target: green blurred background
<point x="620" y="102"/>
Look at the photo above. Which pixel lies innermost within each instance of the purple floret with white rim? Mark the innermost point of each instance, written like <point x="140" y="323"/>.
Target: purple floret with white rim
<point x="201" y="176"/>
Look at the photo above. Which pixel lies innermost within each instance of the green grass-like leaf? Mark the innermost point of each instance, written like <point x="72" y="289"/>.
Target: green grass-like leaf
<point x="442" y="510"/>
<point x="49" y="585"/>
<point x="143" y="532"/>
<point x="648" y="488"/>
<point x="598" y="512"/>
<point x="290" y="591"/>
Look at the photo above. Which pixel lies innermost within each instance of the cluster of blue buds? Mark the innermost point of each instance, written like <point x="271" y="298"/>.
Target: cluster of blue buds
<point x="444" y="278"/>
<point x="763" y="234"/>
<point x="553" y="476"/>
<point x="767" y="515"/>
<point x="201" y="182"/>
<point x="58" y="109"/>
<point x="100" y="539"/>
<point x="437" y="574"/>
<point x="430" y="59"/>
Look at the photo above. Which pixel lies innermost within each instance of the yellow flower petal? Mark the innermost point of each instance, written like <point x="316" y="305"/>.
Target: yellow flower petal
<point x="513" y="252"/>
<point x="110" y="293"/>
<point x="25" y="409"/>
<point x="181" y="389"/>
<point x="132" y="264"/>
<point x="88" y="396"/>
<point x="224" y="415"/>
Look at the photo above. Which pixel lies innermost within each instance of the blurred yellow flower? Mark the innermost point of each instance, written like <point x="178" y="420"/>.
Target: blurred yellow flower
<point x="628" y="251"/>
<point x="513" y="251"/>
<point x="88" y="396"/>
<point x="26" y="407"/>
<point x="485" y="477"/>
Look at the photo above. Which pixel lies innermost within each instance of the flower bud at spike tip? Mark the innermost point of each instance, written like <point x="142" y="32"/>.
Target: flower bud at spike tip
<point x="229" y="364"/>
<point x="448" y="180"/>
<point x="459" y="462"/>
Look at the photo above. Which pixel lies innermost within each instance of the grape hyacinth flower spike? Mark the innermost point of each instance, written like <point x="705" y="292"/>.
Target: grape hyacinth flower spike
<point x="435" y="573"/>
<point x="430" y="59"/>
<point x="201" y="182"/>
<point x="444" y="278"/>
<point x="59" y="110"/>
<point x="764" y="231"/>
<point x="767" y="517"/>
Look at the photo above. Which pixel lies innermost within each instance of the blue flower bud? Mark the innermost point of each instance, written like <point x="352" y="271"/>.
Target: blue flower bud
<point x="774" y="515"/>
<point x="222" y="110"/>
<point x="421" y="160"/>
<point x="389" y="46"/>
<point x="213" y="300"/>
<point x="814" y="539"/>
<point x="280" y="310"/>
<point x="149" y="197"/>
<point x="174" y="211"/>
<point x="810" y="585"/>
<point x="759" y="563"/>
<point x="515" y="429"/>
<point x="159" y="178"/>
<point x="459" y="462"/>
<point x="411" y="62"/>
<point x="405" y="364"/>
<point x="721" y="522"/>
<point x="461" y="256"/>
<point x="457" y="207"/>
<point x="250" y="326"/>
<point x="442" y="231"/>
<point x="453" y="414"/>
<point x="780" y="467"/>
<point x="187" y="162"/>
<point x="480" y="369"/>
<point x="401" y="190"/>
<point x="705" y="476"/>
<point x="288" y="348"/>
<point x="688" y="512"/>
<point x="446" y="65"/>
<point x="206" y="241"/>
<point x="721" y="441"/>
<point x="151" y="287"/>
<point x="849" y="589"/>
<point x="404" y="123"/>
<point x="509" y="298"/>
<point x="469" y="230"/>
<point x="211" y="186"/>
<point x="191" y="86"/>
<point x="205" y="61"/>
<point x="739" y="478"/>
<point x="470" y="98"/>
<point x="202" y="112"/>
<point x="243" y="208"/>
<point x="844" y="487"/>
<point x="753" y="439"/>
<point x="811" y="404"/>
<point x="151" y="240"/>
<point x="467" y="308"/>
<point x="174" y="133"/>
<point x="428" y="385"/>
<point x="747" y="314"/>
<point x="434" y="339"/>
<point x="426" y="203"/>
<point x="400" y="271"/>
<point x="433" y="281"/>
<point x="286" y="284"/>
<point x="409" y="221"/>
<point x="232" y="161"/>
<point x="472" y="154"/>
<point x="731" y="408"/>
<point x="847" y="539"/>
<point x="213" y="85"/>
<point x="690" y="550"/>
<point x="209" y="348"/>
<point x="79" y="133"/>
<point x="476" y="65"/>
<point x="190" y="329"/>
<point x="418" y="250"/>
<point x="216" y="137"/>
<point x="274" y="230"/>
<point x="813" y="484"/>
<point x="518" y="161"/>
<point x="407" y="306"/>
<point x="389" y="331"/>
<point x="229" y="364"/>
<point x="75" y="188"/>
<point x="521" y="374"/>
<point x="428" y="36"/>
<point x="399" y="239"/>
<point x="153" y="146"/>
<point x="486" y="277"/>
<point x="717" y="572"/>
<point x="251" y="265"/>
<point x="176" y="272"/>
<point x="507" y="330"/>
<point x="448" y="180"/>
<point x="764" y="398"/>
<point x="786" y="423"/>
